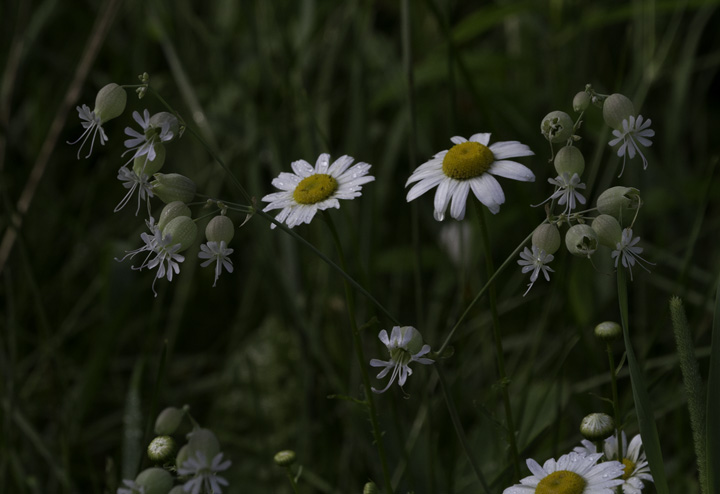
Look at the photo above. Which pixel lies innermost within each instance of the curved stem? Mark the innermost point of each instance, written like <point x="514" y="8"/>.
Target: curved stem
<point x="616" y="401"/>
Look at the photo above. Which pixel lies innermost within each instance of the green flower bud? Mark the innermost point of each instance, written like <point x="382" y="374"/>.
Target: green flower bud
<point x="416" y="342"/>
<point x="617" y="108"/>
<point x="557" y="126"/>
<point x="182" y="230"/>
<point x="581" y="101"/>
<point x="155" y="481"/>
<point x="220" y="228"/>
<point x="581" y="240"/>
<point x="370" y="488"/>
<point x="142" y="164"/>
<point x="164" y="118"/>
<point x="621" y="203"/>
<point x="182" y="455"/>
<point x="171" y="187"/>
<point x="547" y="237"/>
<point x="597" y="426"/>
<point x="608" y="331"/>
<point x="285" y="458"/>
<point x="161" y="449"/>
<point x="110" y="102"/>
<point x="608" y="230"/>
<point x="171" y="211"/>
<point x="205" y="441"/>
<point x="569" y="160"/>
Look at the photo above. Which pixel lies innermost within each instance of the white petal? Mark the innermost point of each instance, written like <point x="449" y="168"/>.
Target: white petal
<point x="459" y="200"/>
<point x="481" y="138"/>
<point x="510" y="149"/>
<point x="302" y="168"/>
<point x="512" y="170"/>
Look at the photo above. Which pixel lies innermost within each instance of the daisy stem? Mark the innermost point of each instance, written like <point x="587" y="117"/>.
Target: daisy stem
<point x="289" y="474"/>
<point x="357" y="343"/>
<point x="616" y="402"/>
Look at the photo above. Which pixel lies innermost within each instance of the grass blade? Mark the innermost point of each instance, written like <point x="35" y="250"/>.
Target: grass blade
<point x="712" y="436"/>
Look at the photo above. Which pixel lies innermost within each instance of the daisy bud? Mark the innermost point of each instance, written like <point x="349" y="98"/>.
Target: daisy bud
<point x="608" y="331"/>
<point x="142" y="163"/>
<point x="597" y="426"/>
<point x="608" y="230"/>
<point x="557" y="126"/>
<point x="370" y="488"/>
<point x="171" y="211"/>
<point x="162" y="119"/>
<point x="110" y="102"/>
<point x="220" y="228"/>
<point x="581" y="240"/>
<point x="155" y="481"/>
<point x="285" y="458"/>
<point x="205" y="441"/>
<point x="617" y="108"/>
<point x="182" y="455"/>
<point x="182" y="230"/>
<point x="547" y="238"/>
<point x="161" y="449"/>
<point x="620" y="202"/>
<point x="171" y="187"/>
<point x="581" y="101"/>
<point x="569" y="160"/>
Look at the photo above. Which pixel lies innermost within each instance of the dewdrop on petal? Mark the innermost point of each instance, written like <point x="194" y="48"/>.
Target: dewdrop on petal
<point x="284" y="458"/>
<point x="182" y="230"/>
<point x="597" y="426"/>
<point x="155" y="481"/>
<point x="608" y="230"/>
<point x="171" y="211"/>
<point x="557" y="126"/>
<point x="143" y="164"/>
<point x="581" y="241"/>
<point x="617" y="108"/>
<point x="620" y="202"/>
<point x="569" y="160"/>
<point x="161" y="449"/>
<point x="220" y="229"/>
<point x="547" y="238"/>
<point x="581" y="101"/>
<point x="171" y="187"/>
<point x="608" y="331"/>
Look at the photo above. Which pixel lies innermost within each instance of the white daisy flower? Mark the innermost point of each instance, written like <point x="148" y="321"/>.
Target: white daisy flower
<point x="535" y="260"/>
<point x="131" y="488"/>
<point x="205" y="478"/>
<point x="633" y="135"/>
<point x="217" y="253"/>
<point x="567" y="191"/>
<point x="144" y="144"/>
<point x="627" y="252"/>
<point x="405" y="346"/>
<point x="309" y="190"/>
<point x="636" y="468"/>
<point x="469" y="165"/>
<point x="133" y="181"/>
<point x="92" y="124"/>
<point x="570" y="474"/>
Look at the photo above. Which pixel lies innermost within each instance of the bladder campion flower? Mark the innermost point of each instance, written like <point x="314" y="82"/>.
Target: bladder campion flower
<point x="109" y="103"/>
<point x="566" y="191"/>
<point x="405" y="346"/>
<point x="535" y="260"/>
<point x="469" y="165"/>
<point x="204" y="473"/>
<point x="309" y="190"/>
<point x="627" y="252"/>
<point x="153" y="132"/>
<point x="633" y="135"/>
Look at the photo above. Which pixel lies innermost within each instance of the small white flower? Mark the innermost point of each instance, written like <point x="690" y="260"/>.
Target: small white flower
<point x="567" y="191"/>
<point x="133" y="181"/>
<point x="633" y="135"/>
<point x="309" y="190"/>
<point x="131" y="488"/>
<point x="217" y="253"/>
<point x="143" y="144"/>
<point x="628" y="253"/>
<point x="93" y="128"/>
<point x="205" y="478"/>
<point x="535" y="260"/>
<point x="573" y="473"/>
<point x="469" y="165"/>
<point x="405" y="346"/>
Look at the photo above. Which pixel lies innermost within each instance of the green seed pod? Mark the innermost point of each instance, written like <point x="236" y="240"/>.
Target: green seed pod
<point x="161" y="449"/>
<point x="142" y="164"/>
<point x="171" y="187"/>
<point x="557" y="126"/>
<point x="205" y="441"/>
<point x="569" y="160"/>
<point x="155" y="481"/>
<point x="182" y="455"/>
<point x="547" y="237"/>
<point x="182" y="230"/>
<point x="370" y="488"/>
<point x="621" y="203"/>
<point x="164" y="118"/>
<point x="617" y="108"/>
<point x="220" y="228"/>
<point x="581" y="240"/>
<point x="581" y="101"/>
<point x="416" y="342"/>
<point x="171" y="211"/>
<point x="110" y="102"/>
<point x="608" y="331"/>
<point x="608" y="230"/>
<point x="597" y="426"/>
<point x="284" y="458"/>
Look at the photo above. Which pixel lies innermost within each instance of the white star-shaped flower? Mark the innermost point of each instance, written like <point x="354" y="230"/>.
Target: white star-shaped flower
<point x="634" y="134"/>
<point x="133" y="181"/>
<point x="93" y="128"/>
<point x="627" y="252"/>
<point x="405" y="346"/>
<point x="567" y="191"/>
<point x="144" y="143"/>
<point x="217" y="253"/>
<point x="535" y="260"/>
<point x="204" y="473"/>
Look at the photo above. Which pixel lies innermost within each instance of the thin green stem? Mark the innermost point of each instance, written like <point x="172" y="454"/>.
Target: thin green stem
<point x="616" y="401"/>
<point x="290" y="477"/>
<point x="357" y="343"/>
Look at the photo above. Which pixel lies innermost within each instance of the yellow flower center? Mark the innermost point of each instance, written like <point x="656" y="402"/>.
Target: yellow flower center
<point x="629" y="468"/>
<point x="467" y="160"/>
<point x="315" y="188"/>
<point x="561" y="482"/>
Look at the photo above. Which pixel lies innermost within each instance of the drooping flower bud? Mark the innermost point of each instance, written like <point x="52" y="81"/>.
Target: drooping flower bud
<point x="608" y="230"/>
<point x="220" y="228"/>
<point x="569" y="160"/>
<point x="557" y="126"/>
<point x="162" y="119"/>
<point x="142" y="163"/>
<point x="171" y="187"/>
<point x="161" y="449"/>
<point x="581" y="240"/>
<point x="110" y="102"/>
<point x="581" y="101"/>
<point x="597" y="426"/>
<point x="617" y="108"/>
<point x="205" y="441"/>
<point x="608" y="331"/>
<point x="547" y="238"/>
<point x="170" y="212"/>
<point x="182" y="230"/>
<point x="284" y="458"/>
<point x="155" y="481"/>
<point x="620" y="202"/>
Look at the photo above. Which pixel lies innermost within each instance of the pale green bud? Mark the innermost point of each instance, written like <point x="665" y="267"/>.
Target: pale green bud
<point x="569" y="160"/>
<point x="110" y="102"/>
<point x="581" y="240"/>
<point x="161" y="449"/>
<point x="205" y="441"/>
<point x="547" y="238"/>
<point x="617" y="108"/>
<point x="220" y="228"/>
<point x="557" y="126"/>
<point x="608" y="230"/>
<point x="608" y="331"/>
<point x="142" y="164"/>
<point x="162" y="118"/>
<point x="182" y="455"/>
<point x="416" y="342"/>
<point x="581" y="101"/>
<point x="182" y="230"/>
<point x="285" y="458"/>
<point x="620" y="202"/>
<point x="597" y="426"/>
<point x="370" y="488"/>
<point x="171" y="187"/>
<point x="155" y="481"/>
<point x="170" y="212"/>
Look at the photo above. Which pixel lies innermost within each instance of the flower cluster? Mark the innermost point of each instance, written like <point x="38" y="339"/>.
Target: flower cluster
<point x="405" y="346"/>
